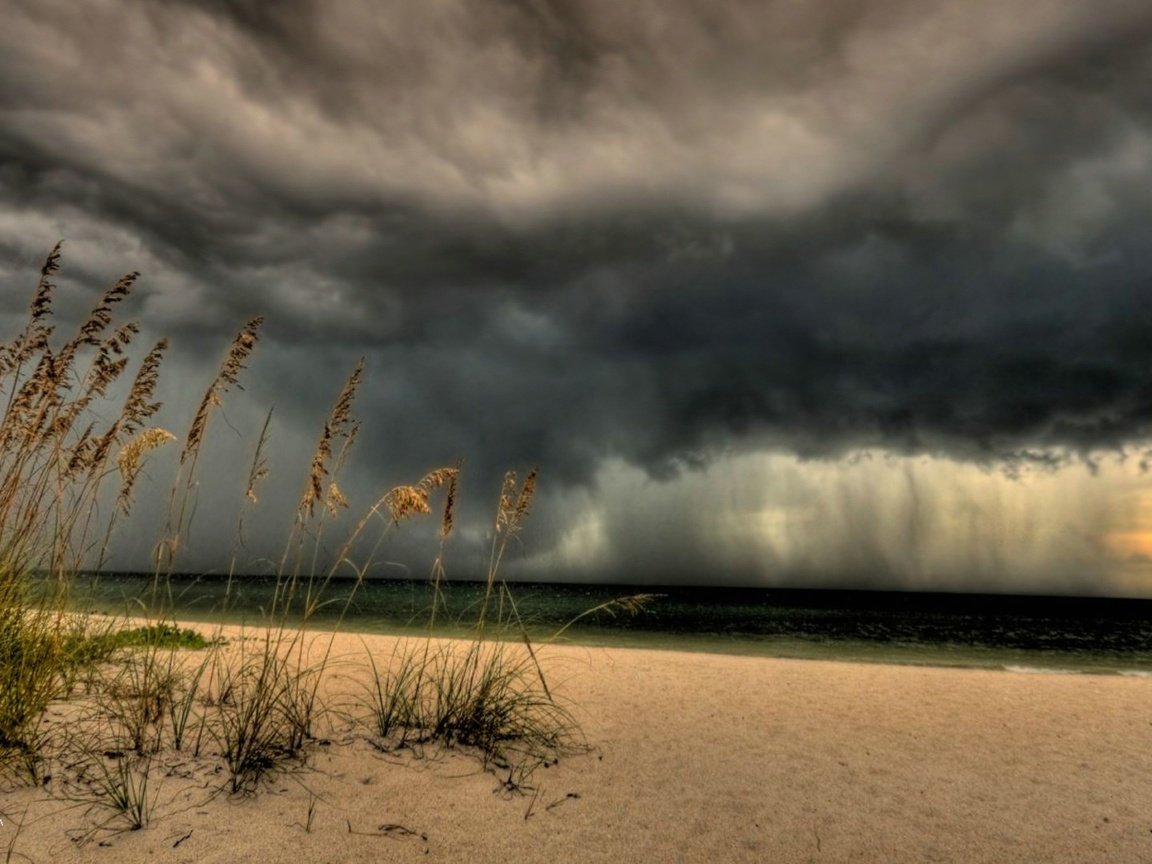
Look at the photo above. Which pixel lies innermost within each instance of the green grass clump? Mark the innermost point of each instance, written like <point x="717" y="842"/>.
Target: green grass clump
<point x="489" y="695"/>
<point x="147" y="636"/>
<point x="31" y="666"/>
<point x="261" y="709"/>
<point x="122" y="789"/>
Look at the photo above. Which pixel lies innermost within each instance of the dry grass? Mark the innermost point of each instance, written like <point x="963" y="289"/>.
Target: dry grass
<point x="487" y="693"/>
<point x="55" y="456"/>
<point x="69" y="469"/>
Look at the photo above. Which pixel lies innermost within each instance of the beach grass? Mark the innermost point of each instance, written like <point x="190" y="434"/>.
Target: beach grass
<point x="243" y="708"/>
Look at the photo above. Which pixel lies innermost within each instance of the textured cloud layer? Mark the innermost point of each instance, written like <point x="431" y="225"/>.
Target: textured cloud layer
<point x="572" y="233"/>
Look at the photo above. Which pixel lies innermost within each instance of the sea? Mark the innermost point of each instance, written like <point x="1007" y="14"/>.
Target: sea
<point x="1025" y="634"/>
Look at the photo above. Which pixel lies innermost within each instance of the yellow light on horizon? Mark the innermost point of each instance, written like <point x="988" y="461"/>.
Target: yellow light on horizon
<point x="1129" y="544"/>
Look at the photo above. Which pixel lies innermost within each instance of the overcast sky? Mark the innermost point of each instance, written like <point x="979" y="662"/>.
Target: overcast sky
<point x="849" y="292"/>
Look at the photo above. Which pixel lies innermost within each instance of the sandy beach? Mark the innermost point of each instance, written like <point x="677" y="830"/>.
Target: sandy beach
<point x="692" y="758"/>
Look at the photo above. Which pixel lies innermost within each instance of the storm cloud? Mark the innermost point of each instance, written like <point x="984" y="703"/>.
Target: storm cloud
<point x="649" y="235"/>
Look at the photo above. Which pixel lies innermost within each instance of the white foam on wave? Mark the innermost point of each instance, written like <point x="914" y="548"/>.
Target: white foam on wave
<point x="1040" y="670"/>
<point x="1056" y="670"/>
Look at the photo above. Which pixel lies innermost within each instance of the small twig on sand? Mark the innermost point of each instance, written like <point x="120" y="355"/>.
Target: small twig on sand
<point x="388" y="829"/>
<point x="559" y="801"/>
<point x="531" y="804"/>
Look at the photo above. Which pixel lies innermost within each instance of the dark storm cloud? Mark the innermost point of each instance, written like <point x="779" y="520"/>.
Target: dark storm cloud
<point x="565" y="232"/>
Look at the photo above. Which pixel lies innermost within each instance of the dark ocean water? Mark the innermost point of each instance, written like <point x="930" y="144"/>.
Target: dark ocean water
<point x="1023" y="633"/>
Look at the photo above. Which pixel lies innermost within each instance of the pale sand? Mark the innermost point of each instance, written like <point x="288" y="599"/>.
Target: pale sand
<point x="705" y="758"/>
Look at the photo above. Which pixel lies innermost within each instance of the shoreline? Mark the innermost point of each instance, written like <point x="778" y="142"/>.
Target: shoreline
<point x="743" y="645"/>
<point x="975" y="631"/>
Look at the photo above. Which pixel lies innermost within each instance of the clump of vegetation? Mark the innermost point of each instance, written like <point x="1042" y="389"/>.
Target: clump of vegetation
<point x="69" y="466"/>
<point x="161" y="635"/>
<point x="121" y="786"/>
<point x="489" y="693"/>
<point x="55" y="458"/>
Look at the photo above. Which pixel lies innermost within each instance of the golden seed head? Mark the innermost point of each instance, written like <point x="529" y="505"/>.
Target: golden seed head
<point x="507" y="507"/>
<point x="338" y="425"/>
<point x="525" y="497"/>
<point x="449" y="504"/>
<point x="405" y="501"/>
<point x="335" y="501"/>
<point x="131" y="460"/>
<point x="228" y="376"/>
